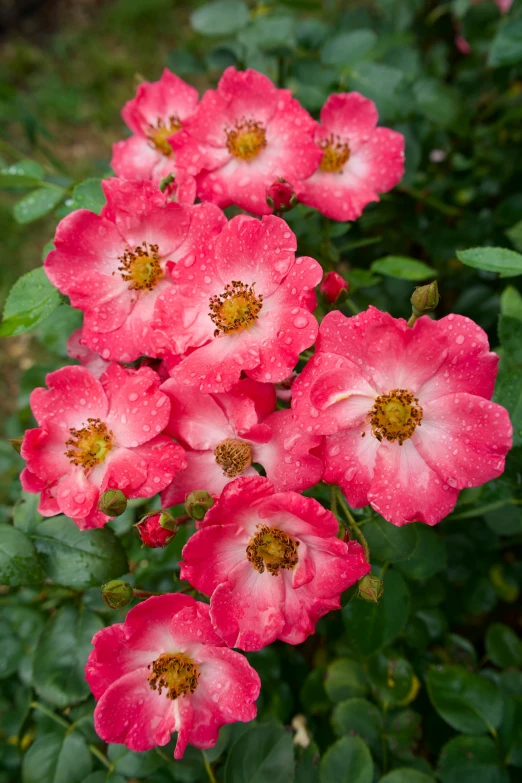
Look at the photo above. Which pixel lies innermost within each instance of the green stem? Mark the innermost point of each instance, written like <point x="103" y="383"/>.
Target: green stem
<point x="50" y="714"/>
<point x="352" y="306"/>
<point x="412" y="320"/>
<point x="143" y="593"/>
<point x="210" y="774"/>
<point x="101" y="757"/>
<point x="354" y="526"/>
<point x="431" y="201"/>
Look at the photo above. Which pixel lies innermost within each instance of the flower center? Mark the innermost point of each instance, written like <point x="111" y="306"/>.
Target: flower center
<point x="174" y="672"/>
<point x="335" y="154"/>
<point x="233" y="456"/>
<point x="236" y="308"/>
<point x="141" y="267"/>
<point x="159" y="134"/>
<point x="246" y="140"/>
<point x="90" y="445"/>
<point x="394" y="416"/>
<point x="272" y="549"/>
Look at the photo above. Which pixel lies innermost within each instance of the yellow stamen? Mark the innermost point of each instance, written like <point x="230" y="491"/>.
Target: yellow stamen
<point x="335" y="154"/>
<point x="394" y="416"/>
<point x="271" y="549"/>
<point x="89" y="445"/>
<point x="141" y="267"/>
<point x="246" y="140"/>
<point x="176" y="673"/>
<point x="159" y="134"/>
<point x="236" y="308"/>
<point x="233" y="456"/>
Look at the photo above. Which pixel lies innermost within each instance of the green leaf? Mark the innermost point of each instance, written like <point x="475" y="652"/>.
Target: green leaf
<point x="87" y="195"/>
<point x="345" y="678"/>
<point x="506" y="48"/>
<point x="101" y="777"/>
<point x="515" y="235"/>
<point x="307" y="769"/>
<point x="61" y="655"/>
<point x="348" y="48"/>
<point x="37" y="203"/>
<point x="19" y="564"/>
<point x="468" y="702"/>
<point x="441" y="104"/>
<point x="372" y="626"/>
<point x="55" y="330"/>
<point x="508" y="389"/>
<point x="511" y="302"/>
<point x="503" y="646"/>
<point x="78" y="558"/>
<point x="55" y="758"/>
<point x="403" y="730"/>
<point x="382" y="84"/>
<point x="429" y="556"/>
<point x="347" y="761"/>
<point x="263" y="754"/>
<point x="133" y="765"/>
<point x="32" y="298"/>
<point x="392" y="678"/>
<point x="465" y="759"/>
<point x="222" y="17"/>
<point x="405" y="775"/>
<point x="25" y="173"/>
<point x="404" y="268"/>
<point x="389" y="543"/>
<point x="492" y="259"/>
<point x="358" y="716"/>
<point x="510" y="731"/>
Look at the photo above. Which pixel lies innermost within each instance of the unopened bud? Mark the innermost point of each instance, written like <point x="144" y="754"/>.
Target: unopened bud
<point x="198" y="503"/>
<point x="157" y="529"/>
<point x="370" y="589"/>
<point x="117" y="593"/>
<point x="424" y="299"/>
<point x="112" y="502"/>
<point x="334" y="287"/>
<point x="280" y="196"/>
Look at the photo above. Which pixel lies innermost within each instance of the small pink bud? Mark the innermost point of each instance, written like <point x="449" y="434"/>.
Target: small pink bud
<point x="333" y="285"/>
<point x="157" y="529"/>
<point x="280" y="196"/>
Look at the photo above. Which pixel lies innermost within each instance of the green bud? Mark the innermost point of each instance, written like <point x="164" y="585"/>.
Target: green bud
<point x="370" y="589"/>
<point x="117" y="593"/>
<point x="198" y="503"/>
<point x="112" y="502"/>
<point x="168" y="522"/>
<point x="424" y="299"/>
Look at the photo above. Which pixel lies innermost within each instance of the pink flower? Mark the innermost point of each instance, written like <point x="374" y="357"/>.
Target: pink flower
<point x="159" y="110"/>
<point x="224" y="434"/>
<point x="332" y="285"/>
<point x="271" y="562"/>
<point x="245" y="305"/>
<point x="78" y="349"/>
<point x="406" y="411"/>
<point x="152" y="533"/>
<point x="95" y="435"/>
<point x="242" y="137"/>
<point x="164" y="670"/>
<point x="115" y="265"/>
<point x="359" y="161"/>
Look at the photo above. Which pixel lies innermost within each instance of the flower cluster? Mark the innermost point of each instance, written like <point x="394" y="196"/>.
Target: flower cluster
<point x="193" y="328"/>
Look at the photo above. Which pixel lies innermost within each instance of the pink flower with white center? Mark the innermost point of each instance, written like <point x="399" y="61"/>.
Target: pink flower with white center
<point x="271" y="562"/>
<point x="407" y="411"/>
<point x="157" y="112"/>
<point x="78" y="349"/>
<point x="358" y="162"/>
<point x="243" y="136"/>
<point x="98" y="434"/>
<point x="225" y="434"/>
<point x="115" y="265"/>
<point x="164" y="670"/>
<point x="245" y="305"/>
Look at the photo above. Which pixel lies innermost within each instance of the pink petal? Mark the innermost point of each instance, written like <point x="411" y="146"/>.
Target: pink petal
<point x="73" y="396"/>
<point x="138" y="409"/>
<point x="211" y="554"/>
<point x="350" y="463"/>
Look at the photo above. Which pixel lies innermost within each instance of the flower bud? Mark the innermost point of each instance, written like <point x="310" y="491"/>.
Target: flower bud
<point x="333" y="286"/>
<point x="112" y="502"/>
<point x="370" y="588"/>
<point x="117" y="593"/>
<point x="280" y="196"/>
<point x="424" y="299"/>
<point x="198" y="503"/>
<point x="157" y="529"/>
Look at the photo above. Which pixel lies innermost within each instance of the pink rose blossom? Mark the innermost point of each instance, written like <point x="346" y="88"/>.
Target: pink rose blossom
<point x="332" y="285"/>
<point x="159" y="110"/>
<point x="242" y="137"/>
<point x="407" y="411"/>
<point x="78" y="349"/>
<point x="271" y="562"/>
<point x="164" y="670"/>
<point x="244" y="305"/>
<point x="95" y="435"/>
<point x="359" y="160"/>
<point x="224" y="434"/>
<point x="115" y="265"/>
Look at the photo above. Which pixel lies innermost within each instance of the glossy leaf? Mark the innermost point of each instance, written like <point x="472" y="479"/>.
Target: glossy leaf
<point x="347" y="761"/>
<point x="403" y="268"/>
<point x="468" y="702"/>
<point x="30" y="301"/>
<point x="19" y="563"/>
